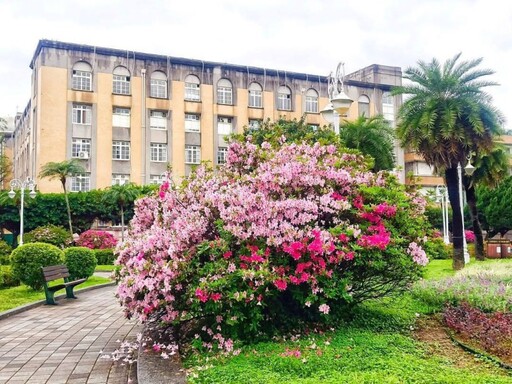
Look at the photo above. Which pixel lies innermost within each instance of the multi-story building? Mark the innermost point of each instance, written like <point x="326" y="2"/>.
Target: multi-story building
<point x="126" y="115"/>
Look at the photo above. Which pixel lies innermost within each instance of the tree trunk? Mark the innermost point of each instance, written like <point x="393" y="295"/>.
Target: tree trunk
<point x="477" y="227"/>
<point x="68" y="208"/>
<point x="452" y="184"/>
<point x="122" y="224"/>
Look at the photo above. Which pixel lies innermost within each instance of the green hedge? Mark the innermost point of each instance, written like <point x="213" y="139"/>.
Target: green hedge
<point x="105" y="256"/>
<point x="81" y="262"/>
<point x="27" y="260"/>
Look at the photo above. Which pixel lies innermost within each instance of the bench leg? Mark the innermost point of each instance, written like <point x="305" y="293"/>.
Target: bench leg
<point x="50" y="300"/>
<point x="69" y="292"/>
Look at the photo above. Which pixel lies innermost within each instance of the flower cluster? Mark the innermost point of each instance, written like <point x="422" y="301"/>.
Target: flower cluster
<point x="272" y="231"/>
<point x="94" y="239"/>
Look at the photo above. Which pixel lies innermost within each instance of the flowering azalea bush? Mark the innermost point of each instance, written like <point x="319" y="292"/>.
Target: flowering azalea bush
<point x="94" y="239"/>
<point x="274" y="236"/>
<point x="470" y="236"/>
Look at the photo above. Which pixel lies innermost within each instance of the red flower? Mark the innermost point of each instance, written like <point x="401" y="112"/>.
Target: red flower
<point x="280" y="284"/>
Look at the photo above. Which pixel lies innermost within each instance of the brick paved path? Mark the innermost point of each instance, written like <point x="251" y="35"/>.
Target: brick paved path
<point x="62" y="344"/>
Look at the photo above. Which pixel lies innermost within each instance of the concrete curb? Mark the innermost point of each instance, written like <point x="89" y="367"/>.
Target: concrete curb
<point x="153" y="369"/>
<point x="26" y="307"/>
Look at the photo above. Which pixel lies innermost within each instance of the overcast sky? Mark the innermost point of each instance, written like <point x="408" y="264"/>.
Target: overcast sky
<point x="293" y="35"/>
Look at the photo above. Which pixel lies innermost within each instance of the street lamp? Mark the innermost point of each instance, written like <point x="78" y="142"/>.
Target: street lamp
<point x="442" y="197"/>
<point x="339" y="102"/>
<point x="22" y="185"/>
<point x="468" y="169"/>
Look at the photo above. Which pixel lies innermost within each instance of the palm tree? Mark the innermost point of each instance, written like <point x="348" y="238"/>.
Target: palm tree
<point x="371" y="136"/>
<point x="446" y="118"/>
<point x="122" y="196"/>
<point x="490" y="169"/>
<point x="62" y="171"/>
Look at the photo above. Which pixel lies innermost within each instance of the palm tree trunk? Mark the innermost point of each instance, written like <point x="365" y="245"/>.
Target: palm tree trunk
<point x="68" y="208"/>
<point x="122" y="224"/>
<point x="452" y="184"/>
<point x="477" y="228"/>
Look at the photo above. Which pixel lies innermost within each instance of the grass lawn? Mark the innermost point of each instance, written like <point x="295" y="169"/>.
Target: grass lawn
<point x="105" y="268"/>
<point x="17" y="296"/>
<point x="380" y="344"/>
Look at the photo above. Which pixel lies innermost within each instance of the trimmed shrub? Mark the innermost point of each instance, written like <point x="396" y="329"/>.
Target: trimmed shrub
<point x="94" y="239"/>
<point x="7" y="279"/>
<point x="51" y="234"/>
<point x="27" y="260"/>
<point x="105" y="256"/>
<point x="5" y="252"/>
<point x="81" y="262"/>
<point x="437" y="249"/>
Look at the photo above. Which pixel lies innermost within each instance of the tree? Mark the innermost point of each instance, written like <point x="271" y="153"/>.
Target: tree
<point x="5" y="162"/>
<point x="494" y="203"/>
<point x="62" y="171"/>
<point x="372" y="136"/>
<point x="490" y="169"/>
<point x="122" y="196"/>
<point x="446" y="118"/>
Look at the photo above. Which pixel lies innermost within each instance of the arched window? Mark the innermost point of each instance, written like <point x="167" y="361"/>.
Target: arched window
<point x="158" y="85"/>
<point x="82" y="76"/>
<point x="284" y="98"/>
<point x="224" y="92"/>
<point x="121" y="81"/>
<point x="255" y="95"/>
<point x="311" y="101"/>
<point x="363" y="105"/>
<point x="192" y="88"/>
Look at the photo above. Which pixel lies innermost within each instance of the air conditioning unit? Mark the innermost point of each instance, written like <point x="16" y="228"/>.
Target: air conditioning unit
<point x="83" y="155"/>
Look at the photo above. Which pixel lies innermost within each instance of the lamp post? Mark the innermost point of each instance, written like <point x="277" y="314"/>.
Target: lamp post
<point x="442" y="197"/>
<point x="22" y="185"/>
<point x="339" y="102"/>
<point x="468" y="169"/>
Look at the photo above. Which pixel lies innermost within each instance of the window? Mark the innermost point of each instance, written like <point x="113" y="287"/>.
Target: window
<point x="81" y="148"/>
<point x="120" y="179"/>
<point x="156" y="179"/>
<point x="158" y="120"/>
<point x="158" y="152"/>
<point x="81" y="183"/>
<point x="121" y="83"/>
<point x="192" y="122"/>
<point x="82" y="114"/>
<point x="158" y="85"/>
<point x="224" y="92"/>
<point x="363" y="105"/>
<point x="121" y="117"/>
<point x="192" y="89"/>
<point x="82" y="76"/>
<point x="192" y="154"/>
<point x="311" y="101"/>
<point x="388" y="108"/>
<point x="222" y="153"/>
<point x="224" y="125"/>
<point x="284" y="98"/>
<point x="121" y="150"/>
<point x="255" y="95"/>
<point x="254" y="124"/>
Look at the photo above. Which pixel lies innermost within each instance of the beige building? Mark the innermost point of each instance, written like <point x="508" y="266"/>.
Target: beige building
<point x="126" y="115"/>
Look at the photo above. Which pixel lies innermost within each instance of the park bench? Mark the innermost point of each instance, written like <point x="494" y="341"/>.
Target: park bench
<point x="56" y="272"/>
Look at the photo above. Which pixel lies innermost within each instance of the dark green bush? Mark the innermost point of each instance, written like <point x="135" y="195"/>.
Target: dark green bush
<point x="5" y="252"/>
<point x="51" y="234"/>
<point x="7" y="279"/>
<point x="437" y="249"/>
<point x="27" y="260"/>
<point x="81" y="262"/>
<point x="105" y="256"/>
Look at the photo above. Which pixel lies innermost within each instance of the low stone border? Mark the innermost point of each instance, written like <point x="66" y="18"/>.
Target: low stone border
<point x="26" y="307"/>
<point x="153" y="369"/>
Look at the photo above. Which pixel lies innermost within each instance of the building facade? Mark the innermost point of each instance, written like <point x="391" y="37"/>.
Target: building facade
<point x="127" y="115"/>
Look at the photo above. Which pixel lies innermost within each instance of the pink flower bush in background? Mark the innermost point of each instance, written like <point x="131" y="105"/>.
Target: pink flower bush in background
<point x="275" y="236"/>
<point x="96" y="239"/>
<point x="470" y="236"/>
